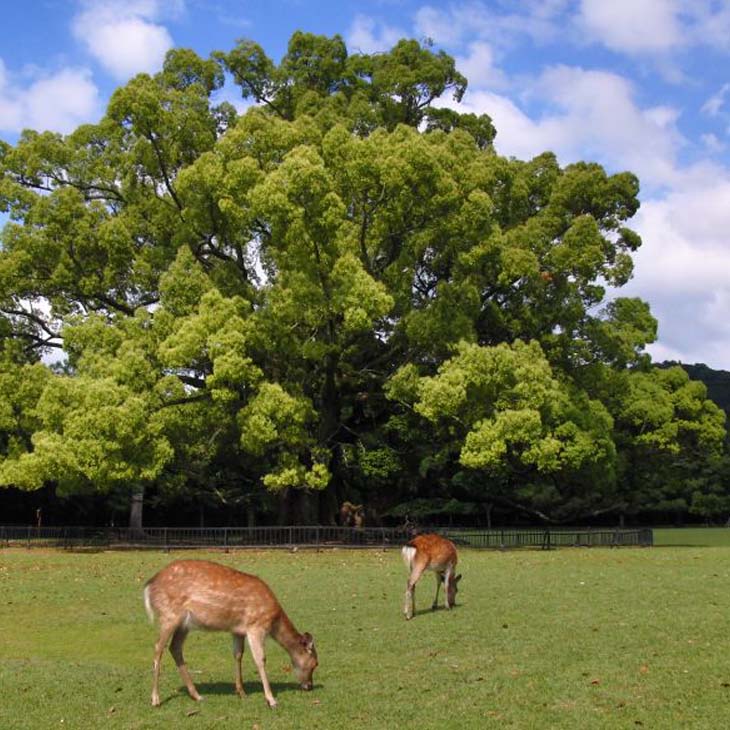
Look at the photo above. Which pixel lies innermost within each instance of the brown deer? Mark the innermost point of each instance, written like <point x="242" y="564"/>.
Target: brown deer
<point x="199" y="594"/>
<point x="430" y="552"/>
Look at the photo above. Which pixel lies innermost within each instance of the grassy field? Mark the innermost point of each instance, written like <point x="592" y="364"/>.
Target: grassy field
<point x="574" y="638"/>
<point x="692" y="536"/>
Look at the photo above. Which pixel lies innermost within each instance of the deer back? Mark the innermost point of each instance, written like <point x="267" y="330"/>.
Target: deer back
<point x="207" y="595"/>
<point x="434" y="551"/>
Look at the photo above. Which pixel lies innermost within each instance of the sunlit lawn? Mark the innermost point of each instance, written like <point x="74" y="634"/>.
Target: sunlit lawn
<point x="693" y="536"/>
<point x="575" y="638"/>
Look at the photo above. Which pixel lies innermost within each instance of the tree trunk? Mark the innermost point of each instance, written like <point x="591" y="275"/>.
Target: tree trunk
<point x="135" y="510"/>
<point x="327" y="503"/>
<point x="286" y="507"/>
<point x="308" y="507"/>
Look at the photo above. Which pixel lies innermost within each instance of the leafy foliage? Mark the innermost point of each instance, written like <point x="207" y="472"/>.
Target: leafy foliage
<point x="345" y="291"/>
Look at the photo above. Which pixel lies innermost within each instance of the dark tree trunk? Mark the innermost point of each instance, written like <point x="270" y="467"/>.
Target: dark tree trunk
<point x="286" y="507"/>
<point x="326" y="504"/>
<point x="135" y="510"/>
<point x="330" y="499"/>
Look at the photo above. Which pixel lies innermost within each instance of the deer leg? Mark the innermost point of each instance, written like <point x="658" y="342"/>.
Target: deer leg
<point x="165" y="633"/>
<point x="237" y="656"/>
<point x="447" y="578"/>
<point x="409" y="606"/>
<point x="176" y="649"/>
<point x="256" y="644"/>
<point x="439" y="578"/>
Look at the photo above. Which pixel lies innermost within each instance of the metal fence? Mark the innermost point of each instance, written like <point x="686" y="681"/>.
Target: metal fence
<point x="169" y="538"/>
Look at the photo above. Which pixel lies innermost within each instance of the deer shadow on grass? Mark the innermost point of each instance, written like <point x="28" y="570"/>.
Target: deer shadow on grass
<point x="251" y="689"/>
<point x="438" y="609"/>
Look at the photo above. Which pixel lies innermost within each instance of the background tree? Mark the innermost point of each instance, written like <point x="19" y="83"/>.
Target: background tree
<point x="342" y="294"/>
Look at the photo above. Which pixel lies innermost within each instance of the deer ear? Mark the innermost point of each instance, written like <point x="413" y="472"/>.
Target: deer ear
<point x="307" y="641"/>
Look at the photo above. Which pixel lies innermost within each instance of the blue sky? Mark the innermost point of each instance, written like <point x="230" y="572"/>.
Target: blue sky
<point x="633" y="84"/>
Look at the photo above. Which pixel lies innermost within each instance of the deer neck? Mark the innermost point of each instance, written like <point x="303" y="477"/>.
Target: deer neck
<point x="285" y="634"/>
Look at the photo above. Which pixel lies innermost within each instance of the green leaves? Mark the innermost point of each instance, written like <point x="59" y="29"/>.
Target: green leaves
<point x="91" y="431"/>
<point x="273" y="417"/>
<point x="668" y="412"/>
<point x="344" y="288"/>
<point x="275" y="421"/>
<point x="506" y="405"/>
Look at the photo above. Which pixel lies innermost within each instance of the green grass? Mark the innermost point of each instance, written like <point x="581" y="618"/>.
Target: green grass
<point x="692" y="536"/>
<point x="574" y="638"/>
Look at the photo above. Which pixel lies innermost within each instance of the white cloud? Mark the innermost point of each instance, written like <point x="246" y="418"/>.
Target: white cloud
<point x="681" y="268"/>
<point x="712" y="143"/>
<point x="586" y="115"/>
<point x="57" y="101"/>
<point x="367" y="35"/>
<point x="715" y="103"/>
<point x="698" y="209"/>
<point x="537" y="19"/>
<point x="479" y="67"/>
<point x="647" y="28"/>
<point x="440" y="26"/>
<point x="710" y="22"/>
<point x="655" y="26"/>
<point x="517" y="134"/>
<point x="125" y="37"/>
<point x="633" y="26"/>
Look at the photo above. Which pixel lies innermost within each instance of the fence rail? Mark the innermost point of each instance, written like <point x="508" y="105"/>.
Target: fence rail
<point x="169" y="538"/>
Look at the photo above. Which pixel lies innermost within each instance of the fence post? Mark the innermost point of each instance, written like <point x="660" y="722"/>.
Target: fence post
<point x="225" y="538"/>
<point x="29" y="529"/>
<point x="164" y="540"/>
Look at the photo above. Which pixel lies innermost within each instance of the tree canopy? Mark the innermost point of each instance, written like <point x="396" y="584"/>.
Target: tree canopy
<point x="342" y="293"/>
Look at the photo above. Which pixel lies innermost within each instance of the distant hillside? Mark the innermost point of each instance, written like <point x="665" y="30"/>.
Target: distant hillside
<point x="717" y="381"/>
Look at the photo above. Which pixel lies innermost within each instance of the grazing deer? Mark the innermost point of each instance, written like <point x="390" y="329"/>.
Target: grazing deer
<point x="199" y="594"/>
<point x="430" y="552"/>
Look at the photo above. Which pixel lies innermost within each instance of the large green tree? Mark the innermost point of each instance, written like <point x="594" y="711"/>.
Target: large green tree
<point x="342" y="293"/>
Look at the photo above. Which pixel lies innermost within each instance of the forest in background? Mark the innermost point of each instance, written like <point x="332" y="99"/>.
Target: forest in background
<point x="343" y="294"/>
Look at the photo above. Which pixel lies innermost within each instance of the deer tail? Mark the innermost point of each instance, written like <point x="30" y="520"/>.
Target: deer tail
<point x="148" y="603"/>
<point x="408" y="552"/>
